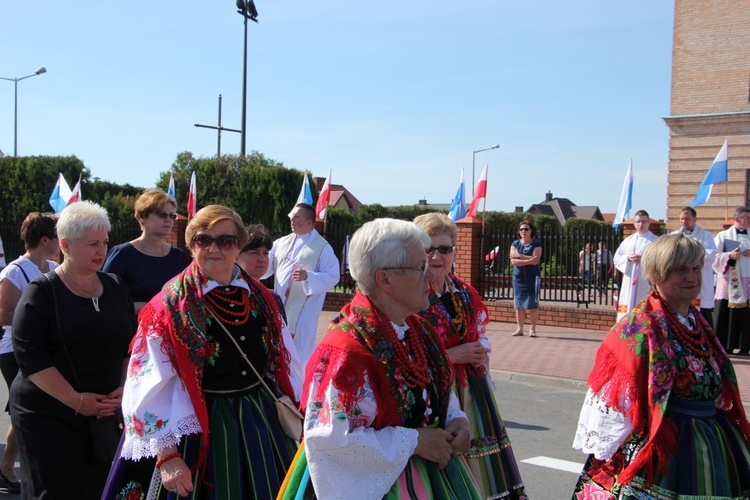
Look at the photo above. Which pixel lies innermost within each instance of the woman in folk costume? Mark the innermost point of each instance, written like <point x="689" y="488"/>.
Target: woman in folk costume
<point x="460" y="317"/>
<point x="381" y="420"/>
<point x="198" y="422"/>
<point x="663" y="416"/>
<point x="627" y="260"/>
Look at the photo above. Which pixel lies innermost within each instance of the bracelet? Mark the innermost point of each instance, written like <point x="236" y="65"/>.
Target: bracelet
<point x="166" y="459"/>
<point x="80" y="402"/>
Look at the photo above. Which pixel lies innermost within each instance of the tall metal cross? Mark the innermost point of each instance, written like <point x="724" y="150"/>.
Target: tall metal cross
<point x="218" y="129"/>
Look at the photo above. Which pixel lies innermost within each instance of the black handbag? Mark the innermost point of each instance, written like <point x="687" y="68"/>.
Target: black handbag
<point x="105" y="432"/>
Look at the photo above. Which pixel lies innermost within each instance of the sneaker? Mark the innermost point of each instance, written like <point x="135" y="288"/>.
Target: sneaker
<point x="517" y="333"/>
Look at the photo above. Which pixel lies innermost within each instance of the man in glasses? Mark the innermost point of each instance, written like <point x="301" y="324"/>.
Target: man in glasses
<point x="627" y="259"/>
<point x="732" y="265"/>
<point x="688" y="221"/>
<point x="304" y="268"/>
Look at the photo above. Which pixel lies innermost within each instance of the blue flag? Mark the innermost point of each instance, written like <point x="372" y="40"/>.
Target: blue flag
<point x="60" y="194"/>
<point x="170" y="189"/>
<point x="305" y="194"/>
<point x="458" y="206"/>
<point x="716" y="175"/>
<point x="626" y="197"/>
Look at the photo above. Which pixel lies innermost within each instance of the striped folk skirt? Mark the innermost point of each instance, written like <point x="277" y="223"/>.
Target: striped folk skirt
<point x="490" y="457"/>
<point x="421" y="479"/>
<point x="248" y="458"/>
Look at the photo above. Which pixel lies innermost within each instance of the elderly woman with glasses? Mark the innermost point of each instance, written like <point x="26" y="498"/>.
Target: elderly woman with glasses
<point x="457" y="312"/>
<point x="526" y="255"/>
<point x="381" y="420"/>
<point x="663" y="416"/>
<point x="147" y="262"/>
<point x="198" y="421"/>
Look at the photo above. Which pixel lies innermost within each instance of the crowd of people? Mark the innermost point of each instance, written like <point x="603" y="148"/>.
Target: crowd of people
<point x="142" y="372"/>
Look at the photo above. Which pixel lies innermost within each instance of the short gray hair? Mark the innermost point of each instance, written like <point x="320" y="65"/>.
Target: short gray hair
<point x="79" y="217"/>
<point x="379" y="244"/>
<point x="668" y="254"/>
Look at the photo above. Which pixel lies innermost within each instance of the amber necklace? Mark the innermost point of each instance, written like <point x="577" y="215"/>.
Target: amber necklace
<point x="231" y="305"/>
<point x="414" y="370"/>
<point x="695" y="340"/>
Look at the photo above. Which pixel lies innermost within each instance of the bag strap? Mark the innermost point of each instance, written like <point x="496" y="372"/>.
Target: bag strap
<point x="242" y="353"/>
<point x="26" y="276"/>
<point x="59" y="329"/>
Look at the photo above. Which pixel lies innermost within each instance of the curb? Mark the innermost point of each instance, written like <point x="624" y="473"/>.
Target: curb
<point x="534" y="379"/>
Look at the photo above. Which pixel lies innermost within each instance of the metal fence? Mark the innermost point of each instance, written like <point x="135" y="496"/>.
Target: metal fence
<point x="563" y="279"/>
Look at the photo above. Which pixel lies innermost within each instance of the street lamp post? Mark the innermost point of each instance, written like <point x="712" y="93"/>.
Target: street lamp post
<point x="15" y="81"/>
<point x="246" y="8"/>
<point x="473" y="161"/>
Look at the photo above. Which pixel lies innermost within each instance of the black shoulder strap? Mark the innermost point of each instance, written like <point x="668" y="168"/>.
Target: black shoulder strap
<point x="48" y="278"/>
<point x="22" y="271"/>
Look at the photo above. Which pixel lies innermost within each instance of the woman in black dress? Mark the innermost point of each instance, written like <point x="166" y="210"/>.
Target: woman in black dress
<point x="50" y="404"/>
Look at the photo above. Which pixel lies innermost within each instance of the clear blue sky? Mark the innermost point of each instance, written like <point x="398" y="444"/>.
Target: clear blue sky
<point x="392" y="96"/>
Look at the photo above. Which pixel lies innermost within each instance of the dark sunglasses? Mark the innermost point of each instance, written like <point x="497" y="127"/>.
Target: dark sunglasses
<point x="442" y="249"/>
<point x="224" y="242"/>
<point x="164" y="215"/>
<point x="524" y="229"/>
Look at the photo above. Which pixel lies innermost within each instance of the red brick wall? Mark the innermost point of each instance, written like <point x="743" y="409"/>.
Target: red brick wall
<point x="710" y="103"/>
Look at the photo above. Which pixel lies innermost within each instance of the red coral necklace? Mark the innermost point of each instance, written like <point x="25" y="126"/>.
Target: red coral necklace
<point x="231" y="305"/>
<point x="695" y="340"/>
<point x="415" y="370"/>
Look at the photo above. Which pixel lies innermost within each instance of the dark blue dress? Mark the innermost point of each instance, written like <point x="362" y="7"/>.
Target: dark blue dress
<point x="144" y="275"/>
<point x="526" y="278"/>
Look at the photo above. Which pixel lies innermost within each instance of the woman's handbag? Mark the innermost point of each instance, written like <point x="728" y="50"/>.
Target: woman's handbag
<point x="290" y="418"/>
<point x="105" y="432"/>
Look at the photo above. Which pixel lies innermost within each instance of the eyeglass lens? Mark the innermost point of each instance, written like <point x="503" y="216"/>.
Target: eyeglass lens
<point x="524" y="229"/>
<point x="224" y="242"/>
<point x="164" y="215"/>
<point x="442" y="249"/>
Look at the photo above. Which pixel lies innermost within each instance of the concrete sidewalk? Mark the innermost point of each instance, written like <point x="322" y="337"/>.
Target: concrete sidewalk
<point x="558" y="356"/>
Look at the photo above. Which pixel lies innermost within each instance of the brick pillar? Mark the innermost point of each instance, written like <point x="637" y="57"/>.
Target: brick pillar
<point x="177" y="236"/>
<point x="469" y="239"/>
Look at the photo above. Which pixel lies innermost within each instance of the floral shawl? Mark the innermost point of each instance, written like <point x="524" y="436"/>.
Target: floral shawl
<point x="637" y="354"/>
<point x="471" y="314"/>
<point x="179" y="317"/>
<point x="355" y="345"/>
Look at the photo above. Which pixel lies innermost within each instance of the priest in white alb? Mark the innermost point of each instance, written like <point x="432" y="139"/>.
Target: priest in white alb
<point x="627" y="260"/>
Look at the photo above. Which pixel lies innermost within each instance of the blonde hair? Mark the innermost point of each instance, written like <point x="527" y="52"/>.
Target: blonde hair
<point x="668" y="254"/>
<point x="207" y="217"/>
<point x="150" y="201"/>
<point x="436" y="223"/>
<point x="79" y="217"/>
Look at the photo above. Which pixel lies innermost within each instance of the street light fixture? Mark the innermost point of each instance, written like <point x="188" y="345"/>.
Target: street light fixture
<point x="15" y="81"/>
<point x="246" y="8"/>
<point x="473" y="161"/>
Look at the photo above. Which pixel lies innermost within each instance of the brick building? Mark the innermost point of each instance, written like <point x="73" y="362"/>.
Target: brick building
<point x="710" y="103"/>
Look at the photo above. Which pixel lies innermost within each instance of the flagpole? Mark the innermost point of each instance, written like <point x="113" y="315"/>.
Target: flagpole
<point x="481" y="236"/>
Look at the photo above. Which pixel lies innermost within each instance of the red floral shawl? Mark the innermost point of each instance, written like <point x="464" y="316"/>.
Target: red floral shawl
<point x="354" y="345"/>
<point x="178" y="315"/>
<point x="463" y="328"/>
<point x="634" y="356"/>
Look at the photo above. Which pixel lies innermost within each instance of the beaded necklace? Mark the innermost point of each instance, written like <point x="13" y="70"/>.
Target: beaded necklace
<point x="458" y="307"/>
<point x="694" y="340"/>
<point x="414" y="369"/>
<point x="231" y="305"/>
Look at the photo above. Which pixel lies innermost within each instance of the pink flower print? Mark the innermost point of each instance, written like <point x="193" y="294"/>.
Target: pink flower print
<point x="358" y="421"/>
<point x="714" y="364"/>
<point x="324" y="415"/>
<point x="592" y="491"/>
<point x="661" y="375"/>
<point x="669" y="350"/>
<point x="137" y="425"/>
<point x="695" y="365"/>
<point x="135" y="367"/>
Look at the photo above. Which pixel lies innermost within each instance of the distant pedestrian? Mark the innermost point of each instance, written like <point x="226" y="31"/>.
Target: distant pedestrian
<point x="584" y="264"/>
<point x="688" y="219"/>
<point x="603" y="266"/>
<point x="526" y="255"/>
<point x="627" y="260"/>
<point x="732" y="266"/>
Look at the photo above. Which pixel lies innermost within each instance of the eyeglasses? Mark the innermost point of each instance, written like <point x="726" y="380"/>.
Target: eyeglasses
<point x="524" y="229"/>
<point x="223" y="242"/>
<point x="442" y="249"/>
<point x="421" y="268"/>
<point x="164" y="215"/>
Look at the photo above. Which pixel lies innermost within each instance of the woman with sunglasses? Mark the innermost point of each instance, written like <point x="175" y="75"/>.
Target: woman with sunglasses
<point x="198" y="421"/>
<point x="147" y="262"/>
<point x="457" y="312"/>
<point x="525" y="255"/>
